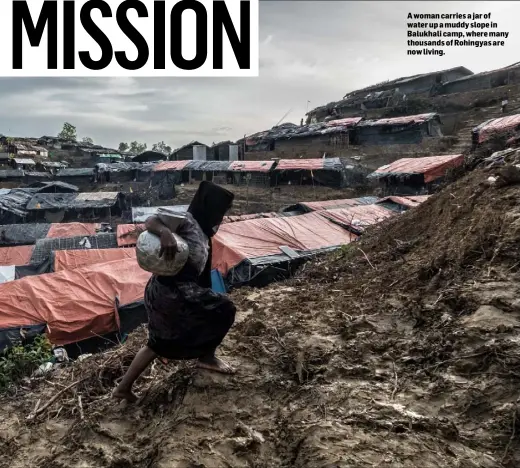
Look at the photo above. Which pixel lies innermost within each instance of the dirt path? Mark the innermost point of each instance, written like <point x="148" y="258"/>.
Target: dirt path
<point x="408" y="360"/>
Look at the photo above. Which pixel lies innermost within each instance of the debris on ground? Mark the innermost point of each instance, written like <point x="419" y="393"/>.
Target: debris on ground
<point x="399" y="351"/>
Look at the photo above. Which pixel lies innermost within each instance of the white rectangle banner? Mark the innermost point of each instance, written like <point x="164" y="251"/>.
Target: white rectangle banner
<point x="129" y="38"/>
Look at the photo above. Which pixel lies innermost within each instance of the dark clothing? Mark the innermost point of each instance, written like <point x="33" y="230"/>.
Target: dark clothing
<point x="186" y="319"/>
<point x="209" y="206"/>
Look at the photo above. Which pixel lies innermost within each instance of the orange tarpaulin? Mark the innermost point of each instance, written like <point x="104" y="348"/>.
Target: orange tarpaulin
<point x="170" y="166"/>
<point x="432" y="167"/>
<point x="16" y="256"/>
<point x="497" y="126"/>
<point x="75" y="304"/>
<point x="343" y="203"/>
<point x="357" y="217"/>
<point x="127" y="234"/>
<point x="72" y="259"/>
<point x="409" y="201"/>
<point x="235" y="242"/>
<point x="60" y="230"/>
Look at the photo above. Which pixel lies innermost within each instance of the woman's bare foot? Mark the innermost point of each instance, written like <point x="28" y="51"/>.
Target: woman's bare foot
<point x="213" y="363"/>
<point x="122" y="394"/>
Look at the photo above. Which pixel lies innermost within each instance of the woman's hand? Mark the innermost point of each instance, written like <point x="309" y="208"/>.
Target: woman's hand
<point x="168" y="245"/>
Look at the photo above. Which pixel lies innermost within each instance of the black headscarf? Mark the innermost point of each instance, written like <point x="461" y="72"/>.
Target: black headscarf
<point x="209" y="206"/>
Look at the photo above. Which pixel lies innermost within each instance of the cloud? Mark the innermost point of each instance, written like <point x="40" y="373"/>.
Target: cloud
<point x="309" y="51"/>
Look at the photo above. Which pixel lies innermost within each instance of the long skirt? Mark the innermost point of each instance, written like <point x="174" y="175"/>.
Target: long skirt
<point x="186" y="321"/>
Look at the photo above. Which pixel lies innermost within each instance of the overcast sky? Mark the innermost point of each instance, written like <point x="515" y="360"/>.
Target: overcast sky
<point x="314" y="50"/>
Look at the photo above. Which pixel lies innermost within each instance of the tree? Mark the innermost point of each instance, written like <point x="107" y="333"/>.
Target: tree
<point x="88" y="140"/>
<point x="163" y="148"/>
<point x="137" y="148"/>
<point x="123" y="147"/>
<point x="68" y="133"/>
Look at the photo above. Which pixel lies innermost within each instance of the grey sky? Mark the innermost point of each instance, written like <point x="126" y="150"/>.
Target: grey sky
<point x="313" y="51"/>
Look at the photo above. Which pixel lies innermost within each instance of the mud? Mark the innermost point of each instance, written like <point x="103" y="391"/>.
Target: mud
<point x="401" y="351"/>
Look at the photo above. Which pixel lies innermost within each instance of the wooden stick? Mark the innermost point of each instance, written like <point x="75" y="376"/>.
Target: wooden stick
<point x="80" y="408"/>
<point x="55" y="397"/>
<point x="369" y="262"/>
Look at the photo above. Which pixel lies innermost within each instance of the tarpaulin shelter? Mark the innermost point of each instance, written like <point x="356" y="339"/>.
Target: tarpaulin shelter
<point x="399" y="204"/>
<point x="251" y="166"/>
<point x="409" y="129"/>
<point x="237" y="218"/>
<point x="82" y="177"/>
<point x="22" y="234"/>
<point x="503" y="126"/>
<point x="54" y="187"/>
<point x="260" y="248"/>
<point x="169" y="166"/>
<point x="13" y="205"/>
<point x="127" y="234"/>
<point x="71" y="305"/>
<point x="328" y="172"/>
<point x="257" y="173"/>
<point x="62" y="230"/>
<point x="357" y="218"/>
<point x="307" y="207"/>
<point x="14" y="256"/>
<point x="63" y="206"/>
<point x="427" y="169"/>
<point x="123" y="172"/>
<point x="73" y="259"/>
<point x="205" y="170"/>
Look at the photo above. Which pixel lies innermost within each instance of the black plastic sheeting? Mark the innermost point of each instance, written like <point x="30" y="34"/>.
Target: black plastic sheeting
<point x="44" y="247"/>
<point x="34" y="269"/>
<point x="124" y="167"/>
<point x="22" y="234"/>
<point x="55" y="187"/>
<point x="261" y="271"/>
<point x="16" y="336"/>
<point x="131" y="316"/>
<point x="66" y="201"/>
<point x="11" y="174"/>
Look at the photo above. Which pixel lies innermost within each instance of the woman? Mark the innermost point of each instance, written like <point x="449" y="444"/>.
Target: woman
<point x="186" y="319"/>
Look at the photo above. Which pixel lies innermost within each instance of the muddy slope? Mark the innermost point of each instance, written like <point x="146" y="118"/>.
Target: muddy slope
<point x="400" y="352"/>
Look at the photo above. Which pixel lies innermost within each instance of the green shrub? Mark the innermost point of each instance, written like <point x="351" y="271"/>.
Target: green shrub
<point x="21" y="361"/>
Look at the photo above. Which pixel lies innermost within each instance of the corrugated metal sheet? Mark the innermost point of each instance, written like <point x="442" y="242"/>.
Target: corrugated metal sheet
<point x="251" y="166"/>
<point x="404" y="120"/>
<point x="496" y="126"/>
<point x="432" y="167"/>
<point x="170" y="166"/>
